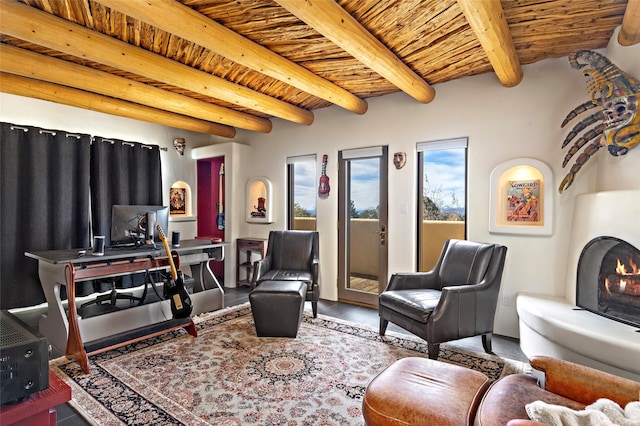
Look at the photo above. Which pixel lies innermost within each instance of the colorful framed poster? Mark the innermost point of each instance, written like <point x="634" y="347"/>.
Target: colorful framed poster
<point x="521" y="198"/>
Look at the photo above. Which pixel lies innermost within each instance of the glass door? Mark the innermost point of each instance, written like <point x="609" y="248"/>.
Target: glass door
<point x="362" y="205"/>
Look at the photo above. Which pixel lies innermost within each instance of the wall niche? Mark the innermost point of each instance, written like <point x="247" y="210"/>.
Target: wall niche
<point x="258" y="205"/>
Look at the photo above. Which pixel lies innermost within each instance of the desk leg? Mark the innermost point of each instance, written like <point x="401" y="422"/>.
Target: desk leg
<point x="204" y="276"/>
<point x="54" y="326"/>
<point x="191" y="329"/>
<point x="75" y="347"/>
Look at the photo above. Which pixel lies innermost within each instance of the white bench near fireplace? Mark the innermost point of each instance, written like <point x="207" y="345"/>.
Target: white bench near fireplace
<point x="551" y="326"/>
<point x="555" y="326"/>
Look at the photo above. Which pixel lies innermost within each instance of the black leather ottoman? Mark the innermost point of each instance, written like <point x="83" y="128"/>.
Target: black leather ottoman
<point x="277" y="307"/>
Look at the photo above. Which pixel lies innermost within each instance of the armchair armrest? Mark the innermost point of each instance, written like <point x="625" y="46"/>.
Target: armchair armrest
<point x="259" y="268"/>
<point x="413" y="280"/>
<point x="463" y="311"/>
<point x="585" y="384"/>
<point x="315" y="266"/>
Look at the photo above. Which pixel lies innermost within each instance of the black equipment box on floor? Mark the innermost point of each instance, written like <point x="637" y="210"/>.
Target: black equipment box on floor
<point x="24" y="359"/>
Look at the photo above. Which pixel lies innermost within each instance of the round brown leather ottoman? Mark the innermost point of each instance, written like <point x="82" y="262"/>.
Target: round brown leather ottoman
<point x="421" y="391"/>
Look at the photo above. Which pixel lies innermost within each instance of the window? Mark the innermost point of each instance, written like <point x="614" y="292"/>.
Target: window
<point x="442" y="197"/>
<point x="301" y="177"/>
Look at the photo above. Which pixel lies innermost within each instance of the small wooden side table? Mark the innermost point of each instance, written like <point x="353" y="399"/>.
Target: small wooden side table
<point x="39" y="408"/>
<point x="247" y="250"/>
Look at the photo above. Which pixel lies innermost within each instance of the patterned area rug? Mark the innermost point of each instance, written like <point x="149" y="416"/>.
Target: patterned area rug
<point x="228" y="376"/>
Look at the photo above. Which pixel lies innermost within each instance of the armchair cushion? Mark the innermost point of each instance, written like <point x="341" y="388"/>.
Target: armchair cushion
<point x="287" y="275"/>
<point x="416" y="304"/>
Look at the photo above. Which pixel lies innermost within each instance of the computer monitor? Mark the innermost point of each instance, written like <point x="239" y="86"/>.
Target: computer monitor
<point x="133" y="225"/>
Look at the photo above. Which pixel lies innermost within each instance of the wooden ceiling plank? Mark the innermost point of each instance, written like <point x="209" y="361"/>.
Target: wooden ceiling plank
<point x="178" y="19"/>
<point x="27" y="87"/>
<point x="30" y="24"/>
<point x="488" y="22"/>
<point x="336" y="24"/>
<point x="630" y="30"/>
<point x="34" y="65"/>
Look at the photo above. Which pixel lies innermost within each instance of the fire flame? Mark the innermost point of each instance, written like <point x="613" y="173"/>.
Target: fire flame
<point x="621" y="268"/>
<point x="621" y="282"/>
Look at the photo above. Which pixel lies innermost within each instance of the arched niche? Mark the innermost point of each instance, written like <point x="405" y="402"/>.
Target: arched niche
<point x="180" y="200"/>
<point x="258" y="205"/>
<point x="521" y="198"/>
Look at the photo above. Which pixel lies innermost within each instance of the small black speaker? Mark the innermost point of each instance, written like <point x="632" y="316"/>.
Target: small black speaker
<point x="175" y="238"/>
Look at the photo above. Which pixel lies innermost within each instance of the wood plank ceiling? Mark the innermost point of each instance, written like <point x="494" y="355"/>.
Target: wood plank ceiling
<point x="213" y="66"/>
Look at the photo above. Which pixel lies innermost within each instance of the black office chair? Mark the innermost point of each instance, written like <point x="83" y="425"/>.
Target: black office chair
<point x="456" y="299"/>
<point x="113" y="296"/>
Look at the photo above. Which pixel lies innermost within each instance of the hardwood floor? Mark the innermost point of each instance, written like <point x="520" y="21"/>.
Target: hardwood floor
<point x="363" y="284"/>
<point x="503" y="346"/>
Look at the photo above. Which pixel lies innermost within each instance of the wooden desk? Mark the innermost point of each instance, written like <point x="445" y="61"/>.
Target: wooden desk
<point x="39" y="408"/>
<point x="52" y="269"/>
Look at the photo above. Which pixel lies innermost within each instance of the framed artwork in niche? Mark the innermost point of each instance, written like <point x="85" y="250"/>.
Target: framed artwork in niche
<point x="178" y="201"/>
<point x="521" y="199"/>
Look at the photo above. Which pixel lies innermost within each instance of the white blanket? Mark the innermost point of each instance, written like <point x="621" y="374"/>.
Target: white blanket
<point x="603" y="412"/>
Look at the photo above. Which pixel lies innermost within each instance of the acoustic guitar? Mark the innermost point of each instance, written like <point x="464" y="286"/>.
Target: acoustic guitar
<point x="323" y="187"/>
<point x="220" y="218"/>
<point x="174" y="290"/>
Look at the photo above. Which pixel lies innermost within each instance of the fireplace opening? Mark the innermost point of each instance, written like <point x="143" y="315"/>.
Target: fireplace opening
<point x="608" y="281"/>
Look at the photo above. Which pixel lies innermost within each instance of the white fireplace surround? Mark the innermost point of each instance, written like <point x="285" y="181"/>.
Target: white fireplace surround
<point x="553" y="326"/>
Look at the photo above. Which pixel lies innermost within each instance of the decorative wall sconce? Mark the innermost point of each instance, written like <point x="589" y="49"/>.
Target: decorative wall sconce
<point x="179" y="144"/>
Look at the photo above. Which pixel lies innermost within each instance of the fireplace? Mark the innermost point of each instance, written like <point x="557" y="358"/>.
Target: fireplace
<point x="608" y="280"/>
<point x="597" y="320"/>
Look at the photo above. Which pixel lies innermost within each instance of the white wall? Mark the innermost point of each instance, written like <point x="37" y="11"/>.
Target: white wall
<point x="501" y="124"/>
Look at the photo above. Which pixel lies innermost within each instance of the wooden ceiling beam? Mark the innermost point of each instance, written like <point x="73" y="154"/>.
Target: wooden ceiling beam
<point x="28" y="87"/>
<point x="30" y="24"/>
<point x="630" y="30"/>
<point x="336" y="24"/>
<point x="42" y="67"/>
<point x="488" y="22"/>
<point x="182" y="21"/>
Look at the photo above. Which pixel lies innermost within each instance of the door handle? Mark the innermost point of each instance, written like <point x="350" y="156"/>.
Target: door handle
<point x="383" y="235"/>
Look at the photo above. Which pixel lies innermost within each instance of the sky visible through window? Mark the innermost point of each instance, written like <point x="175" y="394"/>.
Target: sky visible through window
<point x="445" y="170"/>
<point x="365" y="183"/>
<point x="305" y="190"/>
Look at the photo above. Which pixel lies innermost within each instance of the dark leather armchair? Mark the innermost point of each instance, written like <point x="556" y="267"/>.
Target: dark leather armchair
<point x="291" y="256"/>
<point x="456" y="299"/>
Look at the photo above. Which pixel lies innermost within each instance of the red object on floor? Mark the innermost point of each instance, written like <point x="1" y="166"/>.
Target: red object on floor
<point x="39" y="408"/>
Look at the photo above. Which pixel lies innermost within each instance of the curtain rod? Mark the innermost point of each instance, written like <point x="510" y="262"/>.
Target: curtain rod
<point x="131" y="144"/>
<point x="74" y="135"/>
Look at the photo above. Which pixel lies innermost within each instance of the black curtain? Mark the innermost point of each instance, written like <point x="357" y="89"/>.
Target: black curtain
<point x="122" y="173"/>
<point x="44" y="187"/>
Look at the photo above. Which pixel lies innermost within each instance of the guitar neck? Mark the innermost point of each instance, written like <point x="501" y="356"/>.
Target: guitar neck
<point x="174" y="272"/>
<point x="220" y="176"/>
